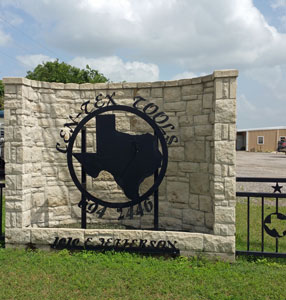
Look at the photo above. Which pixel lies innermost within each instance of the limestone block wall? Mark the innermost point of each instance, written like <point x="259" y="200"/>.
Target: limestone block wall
<point x="198" y="192"/>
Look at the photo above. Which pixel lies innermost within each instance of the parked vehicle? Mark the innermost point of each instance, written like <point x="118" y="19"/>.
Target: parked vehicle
<point x="281" y="146"/>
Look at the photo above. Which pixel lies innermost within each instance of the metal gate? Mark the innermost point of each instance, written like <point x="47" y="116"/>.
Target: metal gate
<point x="261" y="224"/>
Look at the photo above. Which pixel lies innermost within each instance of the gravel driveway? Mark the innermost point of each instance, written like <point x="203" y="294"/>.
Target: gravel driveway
<point x="252" y="164"/>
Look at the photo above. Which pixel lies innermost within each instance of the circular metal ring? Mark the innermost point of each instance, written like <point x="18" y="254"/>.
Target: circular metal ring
<point x="273" y="232"/>
<point x="158" y="133"/>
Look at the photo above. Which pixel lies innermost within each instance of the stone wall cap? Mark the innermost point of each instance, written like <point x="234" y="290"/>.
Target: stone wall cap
<point x="115" y="85"/>
<point x="86" y="86"/>
<point x="129" y="85"/>
<point x="57" y="85"/>
<point x="71" y="86"/>
<point x="101" y="85"/>
<point x="16" y="80"/>
<point x="225" y="73"/>
<point x="90" y="86"/>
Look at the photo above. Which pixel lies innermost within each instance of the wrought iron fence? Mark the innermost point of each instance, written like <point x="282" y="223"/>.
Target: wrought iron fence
<point x="2" y="186"/>
<point x="261" y="198"/>
<point x="2" y="168"/>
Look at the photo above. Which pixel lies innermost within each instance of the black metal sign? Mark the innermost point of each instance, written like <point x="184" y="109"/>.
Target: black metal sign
<point x="130" y="158"/>
<point x="107" y="244"/>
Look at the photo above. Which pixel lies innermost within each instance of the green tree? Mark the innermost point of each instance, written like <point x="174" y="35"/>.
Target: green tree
<point x="1" y="95"/>
<point x="62" y="72"/>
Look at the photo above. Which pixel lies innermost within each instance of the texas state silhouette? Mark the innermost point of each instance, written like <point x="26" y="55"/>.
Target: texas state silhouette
<point x="129" y="158"/>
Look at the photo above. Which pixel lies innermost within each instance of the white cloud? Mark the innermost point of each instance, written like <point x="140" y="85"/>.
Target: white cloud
<point x="243" y="104"/>
<point x="282" y="20"/>
<point x="130" y="39"/>
<point x="248" y="114"/>
<point x="197" y="35"/>
<point x="116" y="70"/>
<point x="4" y="38"/>
<point x="255" y="114"/>
<point x="34" y="59"/>
<point x="272" y="78"/>
<point x="7" y="17"/>
<point x="278" y="3"/>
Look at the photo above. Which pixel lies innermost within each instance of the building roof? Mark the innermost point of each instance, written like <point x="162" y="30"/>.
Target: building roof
<point x="262" y="128"/>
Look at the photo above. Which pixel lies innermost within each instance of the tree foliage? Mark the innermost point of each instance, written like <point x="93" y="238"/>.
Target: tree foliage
<point x="59" y="72"/>
<point x="65" y="73"/>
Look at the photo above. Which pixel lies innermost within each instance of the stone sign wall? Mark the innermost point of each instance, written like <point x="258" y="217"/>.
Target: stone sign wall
<point x="197" y="195"/>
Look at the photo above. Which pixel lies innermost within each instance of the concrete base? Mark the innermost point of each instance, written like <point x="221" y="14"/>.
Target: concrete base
<point x="189" y="244"/>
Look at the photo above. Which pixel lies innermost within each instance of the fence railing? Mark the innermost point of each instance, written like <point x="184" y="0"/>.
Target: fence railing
<point x="265" y="223"/>
<point x="2" y="168"/>
<point x="2" y="186"/>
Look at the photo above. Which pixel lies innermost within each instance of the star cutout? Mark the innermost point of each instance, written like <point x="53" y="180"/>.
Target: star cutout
<point x="277" y="188"/>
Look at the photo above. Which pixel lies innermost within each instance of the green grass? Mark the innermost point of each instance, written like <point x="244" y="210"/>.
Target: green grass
<point x="87" y="275"/>
<point x="255" y="227"/>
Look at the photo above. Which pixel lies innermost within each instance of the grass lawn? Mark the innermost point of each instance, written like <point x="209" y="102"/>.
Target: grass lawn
<point x="87" y="275"/>
<point x="255" y="227"/>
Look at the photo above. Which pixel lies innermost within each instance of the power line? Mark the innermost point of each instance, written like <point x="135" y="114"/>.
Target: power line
<point x="21" y="47"/>
<point x="13" y="58"/>
<point x="30" y="38"/>
<point x="9" y="62"/>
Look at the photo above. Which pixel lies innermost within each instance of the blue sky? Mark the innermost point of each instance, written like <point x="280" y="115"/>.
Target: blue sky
<point x="150" y="40"/>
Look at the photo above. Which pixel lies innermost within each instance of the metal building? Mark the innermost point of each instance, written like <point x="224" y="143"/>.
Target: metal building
<point x="260" y="139"/>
